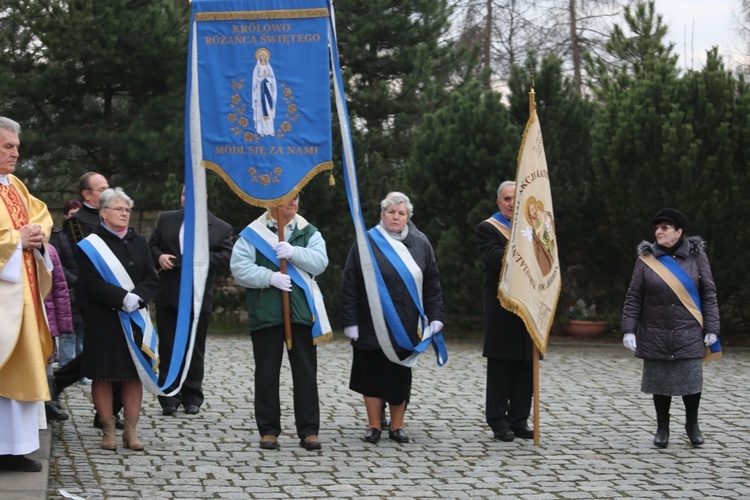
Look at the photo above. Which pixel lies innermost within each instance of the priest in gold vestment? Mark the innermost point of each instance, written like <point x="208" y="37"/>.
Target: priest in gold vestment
<point x="25" y="341"/>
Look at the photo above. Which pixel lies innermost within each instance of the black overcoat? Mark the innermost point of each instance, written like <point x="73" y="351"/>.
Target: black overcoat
<point x="105" y="351"/>
<point x="505" y="335"/>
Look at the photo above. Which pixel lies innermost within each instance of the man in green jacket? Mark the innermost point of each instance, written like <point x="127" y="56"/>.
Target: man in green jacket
<point x="255" y="264"/>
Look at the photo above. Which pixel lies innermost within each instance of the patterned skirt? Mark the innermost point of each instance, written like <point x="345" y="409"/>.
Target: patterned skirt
<point x="672" y="378"/>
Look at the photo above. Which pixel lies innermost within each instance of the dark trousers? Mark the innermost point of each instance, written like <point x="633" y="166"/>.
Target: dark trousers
<point x="268" y="351"/>
<point x="192" y="389"/>
<point x="510" y="386"/>
<point x="72" y="372"/>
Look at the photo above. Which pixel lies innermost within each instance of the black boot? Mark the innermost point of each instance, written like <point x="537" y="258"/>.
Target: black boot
<point x="661" y="439"/>
<point x="692" y="403"/>
<point x="694" y="433"/>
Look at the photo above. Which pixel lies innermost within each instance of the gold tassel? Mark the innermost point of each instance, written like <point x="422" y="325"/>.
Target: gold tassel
<point x="331" y="180"/>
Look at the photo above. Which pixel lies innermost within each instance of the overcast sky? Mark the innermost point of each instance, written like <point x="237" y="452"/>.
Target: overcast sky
<point x="697" y="25"/>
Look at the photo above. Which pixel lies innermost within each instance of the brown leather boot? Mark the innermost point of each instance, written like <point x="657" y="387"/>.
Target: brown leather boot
<point x="129" y="437"/>
<point x="109" y="439"/>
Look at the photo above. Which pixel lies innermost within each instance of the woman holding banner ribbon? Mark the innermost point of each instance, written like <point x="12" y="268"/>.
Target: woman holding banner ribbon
<point x="670" y="317"/>
<point x="119" y="279"/>
<point x="405" y="259"/>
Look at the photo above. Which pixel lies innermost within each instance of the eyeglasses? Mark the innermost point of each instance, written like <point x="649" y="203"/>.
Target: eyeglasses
<point x="663" y="226"/>
<point x="120" y="210"/>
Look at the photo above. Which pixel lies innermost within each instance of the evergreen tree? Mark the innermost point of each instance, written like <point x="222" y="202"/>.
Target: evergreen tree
<point x="662" y="139"/>
<point x="459" y="157"/>
<point x="396" y="66"/>
<point x="96" y="86"/>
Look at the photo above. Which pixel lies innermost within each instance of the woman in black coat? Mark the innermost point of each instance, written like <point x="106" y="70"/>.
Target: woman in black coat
<point x="106" y="356"/>
<point x="373" y="375"/>
<point x="668" y="328"/>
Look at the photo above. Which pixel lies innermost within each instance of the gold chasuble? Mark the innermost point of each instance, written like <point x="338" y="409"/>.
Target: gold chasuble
<point x="25" y="341"/>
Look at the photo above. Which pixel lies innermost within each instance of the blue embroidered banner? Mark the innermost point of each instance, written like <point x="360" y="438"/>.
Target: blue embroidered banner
<point x="263" y="94"/>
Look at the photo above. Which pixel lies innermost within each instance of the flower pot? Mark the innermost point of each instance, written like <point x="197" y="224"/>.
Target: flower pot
<point x="583" y="328"/>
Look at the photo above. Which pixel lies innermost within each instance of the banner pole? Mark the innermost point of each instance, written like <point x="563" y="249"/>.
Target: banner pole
<point x="285" y="295"/>
<point x="536" y="395"/>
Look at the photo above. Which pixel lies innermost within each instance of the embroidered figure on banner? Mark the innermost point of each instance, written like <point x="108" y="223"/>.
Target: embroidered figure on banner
<point x="264" y="93"/>
<point x="541" y="233"/>
<point x="264" y="103"/>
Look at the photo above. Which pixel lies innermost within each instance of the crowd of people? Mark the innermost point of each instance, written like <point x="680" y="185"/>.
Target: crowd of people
<point x="97" y="276"/>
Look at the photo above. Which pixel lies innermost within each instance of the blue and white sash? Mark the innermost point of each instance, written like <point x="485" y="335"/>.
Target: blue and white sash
<point x="113" y="272"/>
<point x="398" y="255"/>
<point x="263" y="239"/>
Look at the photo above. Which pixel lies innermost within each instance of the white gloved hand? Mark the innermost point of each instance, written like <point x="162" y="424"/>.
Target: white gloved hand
<point x="710" y="339"/>
<point x="352" y="332"/>
<point x="628" y="340"/>
<point x="131" y="302"/>
<point x="436" y="326"/>
<point x="284" y="250"/>
<point x="281" y="281"/>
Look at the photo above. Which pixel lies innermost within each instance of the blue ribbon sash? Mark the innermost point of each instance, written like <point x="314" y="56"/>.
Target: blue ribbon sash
<point x="320" y="319"/>
<point x="389" y="311"/>
<point x="144" y="354"/>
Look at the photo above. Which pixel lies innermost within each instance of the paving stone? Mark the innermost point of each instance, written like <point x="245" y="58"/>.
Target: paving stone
<point x="596" y="433"/>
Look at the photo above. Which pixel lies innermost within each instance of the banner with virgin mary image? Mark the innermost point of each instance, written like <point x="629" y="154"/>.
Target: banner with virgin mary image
<point x="258" y="113"/>
<point x="263" y="94"/>
<point x="530" y="278"/>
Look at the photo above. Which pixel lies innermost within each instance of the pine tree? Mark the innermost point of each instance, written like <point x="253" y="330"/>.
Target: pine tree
<point x="460" y="155"/>
<point x="97" y="86"/>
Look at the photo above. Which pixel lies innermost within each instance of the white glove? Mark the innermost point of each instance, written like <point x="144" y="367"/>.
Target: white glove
<point x="436" y="326"/>
<point x="131" y="302"/>
<point x="628" y="340"/>
<point x="710" y="339"/>
<point x="281" y="281"/>
<point x="352" y="332"/>
<point x="284" y="250"/>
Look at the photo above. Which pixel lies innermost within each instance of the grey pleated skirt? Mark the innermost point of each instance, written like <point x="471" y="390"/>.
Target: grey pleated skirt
<point x="672" y="378"/>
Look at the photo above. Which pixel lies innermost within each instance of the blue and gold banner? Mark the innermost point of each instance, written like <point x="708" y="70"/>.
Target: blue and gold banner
<point x="263" y="94"/>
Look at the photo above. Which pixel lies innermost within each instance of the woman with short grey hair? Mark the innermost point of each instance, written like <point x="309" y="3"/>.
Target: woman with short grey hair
<point x="108" y="324"/>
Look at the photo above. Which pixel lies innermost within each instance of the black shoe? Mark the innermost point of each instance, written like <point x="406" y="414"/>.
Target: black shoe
<point x="694" y="433"/>
<point x="54" y="413"/>
<point x="505" y="435"/>
<point x="524" y="432"/>
<point x="192" y="409"/>
<point x="19" y="463"/>
<point x="398" y="435"/>
<point x="372" y="435"/>
<point x="310" y="443"/>
<point x="118" y="422"/>
<point x="269" y="442"/>
<point x="170" y="410"/>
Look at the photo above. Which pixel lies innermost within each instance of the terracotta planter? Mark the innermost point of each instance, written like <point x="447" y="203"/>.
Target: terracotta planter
<point x="582" y="328"/>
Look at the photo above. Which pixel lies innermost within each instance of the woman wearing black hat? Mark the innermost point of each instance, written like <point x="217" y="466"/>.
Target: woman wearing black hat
<point x="670" y="315"/>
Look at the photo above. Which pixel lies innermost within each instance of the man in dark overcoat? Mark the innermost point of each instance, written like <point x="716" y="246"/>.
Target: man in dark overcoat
<point x="166" y="251"/>
<point x="507" y="344"/>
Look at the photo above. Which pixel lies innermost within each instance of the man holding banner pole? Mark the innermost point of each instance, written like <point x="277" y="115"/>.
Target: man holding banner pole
<point x="255" y="264"/>
<point x="521" y="243"/>
<point x="507" y="344"/>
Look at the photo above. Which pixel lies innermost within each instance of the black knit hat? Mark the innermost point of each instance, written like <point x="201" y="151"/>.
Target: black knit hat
<point x="672" y="216"/>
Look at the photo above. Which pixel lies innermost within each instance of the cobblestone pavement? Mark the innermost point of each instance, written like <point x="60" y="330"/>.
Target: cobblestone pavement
<point x="596" y="437"/>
